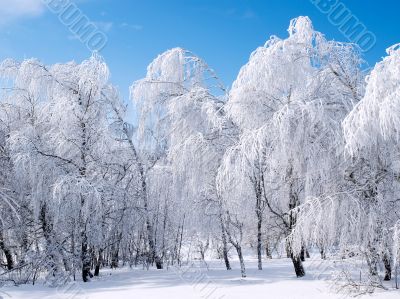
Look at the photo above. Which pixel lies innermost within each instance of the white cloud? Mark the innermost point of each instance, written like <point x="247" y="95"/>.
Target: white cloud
<point x="104" y="26"/>
<point x="131" y="26"/>
<point x="14" y="9"/>
<point x="73" y="37"/>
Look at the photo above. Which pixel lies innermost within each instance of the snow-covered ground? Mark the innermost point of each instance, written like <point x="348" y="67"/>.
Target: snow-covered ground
<point x="276" y="281"/>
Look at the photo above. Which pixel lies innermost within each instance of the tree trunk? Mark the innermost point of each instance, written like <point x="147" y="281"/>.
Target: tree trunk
<point x="323" y="254"/>
<point x="388" y="268"/>
<point x="241" y="260"/>
<point x="85" y="258"/>
<point x="99" y="261"/>
<point x="287" y="247"/>
<point x="163" y="249"/>
<point x="181" y="241"/>
<point x="85" y="254"/>
<point x="302" y="254"/>
<point x="372" y="260"/>
<point x="259" y="240"/>
<point x="66" y="262"/>
<point x="293" y="203"/>
<point x="7" y="252"/>
<point x="224" y="243"/>
<point x="51" y="248"/>
<point x="322" y="251"/>
<point x="259" y="210"/>
<point x="298" y="266"/>
<point x="153" y="256"/>
<point x="115" y="252"/>
<point x="237" y="245"/>
<point x="268" y="252"/>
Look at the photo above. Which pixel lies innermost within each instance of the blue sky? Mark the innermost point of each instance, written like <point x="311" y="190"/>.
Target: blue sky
<point x="222" y="32"/>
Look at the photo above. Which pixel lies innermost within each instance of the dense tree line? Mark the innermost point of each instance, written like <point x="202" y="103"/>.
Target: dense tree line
<point x="300" y="154"/>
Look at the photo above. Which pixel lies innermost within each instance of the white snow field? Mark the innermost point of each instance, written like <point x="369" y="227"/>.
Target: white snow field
<point x="276" y="281"/>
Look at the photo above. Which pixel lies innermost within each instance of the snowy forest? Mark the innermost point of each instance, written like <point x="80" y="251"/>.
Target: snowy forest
<point x="299" y="159"/>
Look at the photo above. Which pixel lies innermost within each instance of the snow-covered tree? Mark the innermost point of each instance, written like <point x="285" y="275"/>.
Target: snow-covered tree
<point x="180" y="120"/>
<point x="371" y="132"/>
<point x="301" y="153"/>
<point x="289" y="100"/>
<point x="62" y="146"/>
